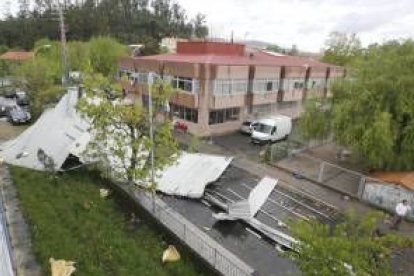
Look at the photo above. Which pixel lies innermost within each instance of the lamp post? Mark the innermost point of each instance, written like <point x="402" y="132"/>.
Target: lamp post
<point x="39" y="48"/>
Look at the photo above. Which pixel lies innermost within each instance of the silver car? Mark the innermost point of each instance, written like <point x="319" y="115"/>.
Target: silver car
<point x="247" y="127"/>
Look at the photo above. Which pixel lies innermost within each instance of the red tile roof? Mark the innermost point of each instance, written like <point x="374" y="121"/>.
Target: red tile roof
<point x="16" y="56"/>
<point x="253" y="58"/>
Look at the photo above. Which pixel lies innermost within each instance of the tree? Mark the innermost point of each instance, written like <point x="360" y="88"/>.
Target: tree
<point x="314" y="123"/>
<point x="200" y="29"/>
<point x="275" y="48"/>
<point x="341" y="48"/>
<point x="372" y="110"/>
<point x="104" y="55"/>
<point x="40" y="78"/>
<point x="121" y="133"/>
<point x="352" y="247"/>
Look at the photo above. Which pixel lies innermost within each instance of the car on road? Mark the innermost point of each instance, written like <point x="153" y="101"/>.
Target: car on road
<point x="272" y="129"/>
<point x="5" y="105"/>
<point x="17" y="115"/>
<point x="247" y="127"/>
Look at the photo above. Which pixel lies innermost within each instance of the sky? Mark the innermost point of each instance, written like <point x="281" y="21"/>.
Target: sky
<point x="306" y="23"/>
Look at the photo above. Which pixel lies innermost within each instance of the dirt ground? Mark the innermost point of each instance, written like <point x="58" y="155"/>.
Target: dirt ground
<point x="7" y="131"/>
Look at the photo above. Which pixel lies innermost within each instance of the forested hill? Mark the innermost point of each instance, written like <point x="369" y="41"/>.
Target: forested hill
<point x="129" y="21"/>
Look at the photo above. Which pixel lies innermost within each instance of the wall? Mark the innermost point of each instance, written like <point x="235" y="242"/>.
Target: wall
<point x="387" y="196"/>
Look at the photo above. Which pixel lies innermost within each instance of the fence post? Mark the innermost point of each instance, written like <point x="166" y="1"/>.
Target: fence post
<point x="321" y="169"/>
<point x="361" y="187"/>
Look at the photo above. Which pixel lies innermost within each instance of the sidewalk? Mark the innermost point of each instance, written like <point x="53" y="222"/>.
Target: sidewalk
<point x="19" y="233"/>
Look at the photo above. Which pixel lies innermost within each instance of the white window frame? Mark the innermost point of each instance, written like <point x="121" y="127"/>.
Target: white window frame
<point x="260" y="85"/>
<point x="233" y="87"/>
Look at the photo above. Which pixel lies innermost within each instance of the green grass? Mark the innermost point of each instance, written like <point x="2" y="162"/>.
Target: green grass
<point x="68" y="220"/>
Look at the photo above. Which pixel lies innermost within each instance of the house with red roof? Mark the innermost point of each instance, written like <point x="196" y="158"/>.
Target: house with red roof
<point x="16" y="56"/>
<point x="217" y="85"/>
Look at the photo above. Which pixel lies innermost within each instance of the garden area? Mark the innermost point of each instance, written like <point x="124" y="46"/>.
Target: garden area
<point x="70" y="220"/>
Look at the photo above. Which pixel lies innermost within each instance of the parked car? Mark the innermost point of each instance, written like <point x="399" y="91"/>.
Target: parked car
<point x="272" y="129"/>
<point x="17" y="115"/>
<point x="247" y="127"/>
<point x="21" y="98"/>
<point x="5" y="105"/>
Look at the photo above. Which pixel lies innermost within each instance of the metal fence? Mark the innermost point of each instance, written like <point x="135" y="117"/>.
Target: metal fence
<point x="331" y="175"/>
<point x="6" y="262"/>
<point x="293" y="157"/>
<point x="216" y="255"/>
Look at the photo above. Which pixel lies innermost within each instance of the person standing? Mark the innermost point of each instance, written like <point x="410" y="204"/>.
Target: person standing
<point x="401" y="210"/>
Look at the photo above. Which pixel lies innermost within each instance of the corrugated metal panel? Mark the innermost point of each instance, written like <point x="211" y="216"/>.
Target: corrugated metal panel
<point x="55" y="132"/>
<point x="192" y="172"/>
<point x="260" y="193"/>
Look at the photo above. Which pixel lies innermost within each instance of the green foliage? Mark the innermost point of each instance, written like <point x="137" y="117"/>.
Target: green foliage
<point x="104" y="55"/>
<point x="315" y="121"/>
<point x="194" y="145"/>
<point x="130" y="22"/>
<point x="68" y="220"/>
<point x="324" y="250"/>
<point x="40" y="79"/>
<point x="341" y="48"/>
<point x="373" y="112"/>
<point x="200" y="29"/>
<point x="122" y="132"/>
<point x="275" y="48"/>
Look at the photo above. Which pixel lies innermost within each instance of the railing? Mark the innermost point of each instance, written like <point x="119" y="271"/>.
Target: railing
<point x="6" y="263"/>
<point x="212" y="252"/>
<point x="292" y="157"/>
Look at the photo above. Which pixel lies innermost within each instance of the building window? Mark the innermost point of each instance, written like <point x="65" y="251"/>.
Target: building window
<point x="298" y="84"/>
<point x="186" y="84"/>
<point x="223" y="87"/>
<point x="223" y="115"/>
<point x="293" y="83"/>
<point x="316" y="83"/>
<point x="265" y="85"/>
<point x="185" y="113"/>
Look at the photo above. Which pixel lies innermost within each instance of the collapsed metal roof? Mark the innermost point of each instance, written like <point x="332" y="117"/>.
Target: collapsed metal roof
<point x="191" y="173"/>
<point x="56" y="133"/>
<point x="61" y="132"/>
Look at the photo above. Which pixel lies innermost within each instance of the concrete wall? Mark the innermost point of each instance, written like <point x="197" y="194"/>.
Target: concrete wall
<point x="387" y="196"/>
<point x="231" y="72"/>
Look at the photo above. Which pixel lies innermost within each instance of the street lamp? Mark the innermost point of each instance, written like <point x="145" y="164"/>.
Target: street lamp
<point x="39" y="48"/>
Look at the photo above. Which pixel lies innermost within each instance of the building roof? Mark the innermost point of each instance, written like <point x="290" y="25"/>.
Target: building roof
<point x="252" y="58"/>
<point x="16" y="56"/>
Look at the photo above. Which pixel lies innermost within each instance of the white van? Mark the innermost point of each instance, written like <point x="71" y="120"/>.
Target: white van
<point x="272" y="129"/>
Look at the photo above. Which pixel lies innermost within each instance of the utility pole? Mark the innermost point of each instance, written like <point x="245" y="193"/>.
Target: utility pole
<point x="65" y="63"/>
<point x="150" y="111"/>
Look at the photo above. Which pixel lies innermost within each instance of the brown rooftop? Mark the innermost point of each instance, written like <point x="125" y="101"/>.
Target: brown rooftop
<point x="16" y="56"/>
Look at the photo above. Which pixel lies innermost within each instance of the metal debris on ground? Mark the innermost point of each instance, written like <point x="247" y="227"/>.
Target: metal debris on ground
<point x="103" y="193"/>
<point x="62" y="267"/>
<point x="171" y="254"/>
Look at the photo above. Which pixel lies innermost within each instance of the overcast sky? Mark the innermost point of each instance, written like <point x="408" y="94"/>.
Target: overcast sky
<point x="305" y="23"/>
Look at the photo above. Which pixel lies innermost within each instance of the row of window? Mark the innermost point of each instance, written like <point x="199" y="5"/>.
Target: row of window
<point x="265" y="85"/>
<point x="225" y="87"/>
<point x="185" y="113"/>
<point x="223" y="115"/>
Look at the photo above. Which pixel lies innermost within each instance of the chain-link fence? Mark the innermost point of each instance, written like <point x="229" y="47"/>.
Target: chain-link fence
<point x="212" y="252"/>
